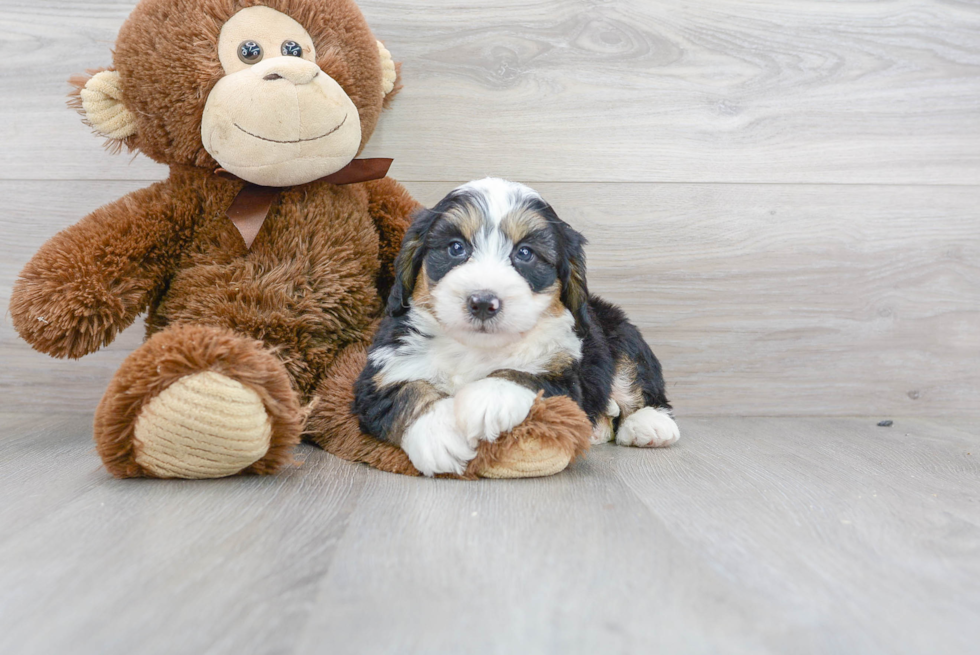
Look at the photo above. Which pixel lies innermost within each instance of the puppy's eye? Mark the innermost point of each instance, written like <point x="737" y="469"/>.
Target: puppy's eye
<point x="250" y="52"/>
<point x="524" y="254"/>
<point x="292" y="49"/>
<point x="457" y="249"/>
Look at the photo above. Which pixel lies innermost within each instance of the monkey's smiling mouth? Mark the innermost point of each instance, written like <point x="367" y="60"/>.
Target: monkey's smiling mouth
<point x="316" y="138"/>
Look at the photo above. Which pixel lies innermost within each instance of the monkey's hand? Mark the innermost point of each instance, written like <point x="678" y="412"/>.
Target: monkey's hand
<point x="92" y="280"/>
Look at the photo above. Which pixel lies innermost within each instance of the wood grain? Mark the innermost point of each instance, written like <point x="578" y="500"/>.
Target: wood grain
<point x="623" y="90"/>
<point x="107" y="560"/>
<point x="759" y="299"/>
<point x="750" y="536"/>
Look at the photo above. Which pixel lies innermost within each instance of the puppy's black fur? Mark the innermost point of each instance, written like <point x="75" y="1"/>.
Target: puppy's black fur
<point x="611" y="345"/>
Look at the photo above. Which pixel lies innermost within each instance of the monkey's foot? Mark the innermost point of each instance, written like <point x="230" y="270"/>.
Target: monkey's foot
<point x="194" y="403"/>
<point x="555" y="432"/>
<point x="204" y="425"/>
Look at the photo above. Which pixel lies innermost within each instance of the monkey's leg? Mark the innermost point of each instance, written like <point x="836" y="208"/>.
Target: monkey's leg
<point x="198" y="402"/>
<point x="555" y="432"/>
<point x="333" y="426"/>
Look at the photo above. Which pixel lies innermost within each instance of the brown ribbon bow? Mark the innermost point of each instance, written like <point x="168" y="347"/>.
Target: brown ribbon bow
<point x="252" y="204"/>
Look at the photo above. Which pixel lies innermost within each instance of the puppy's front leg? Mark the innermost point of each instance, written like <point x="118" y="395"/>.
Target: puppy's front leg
<point x="500" y="402"/>
<point x="487" y="407"/>
<point x="435" y="444"/>
<point x="417" y="417"/>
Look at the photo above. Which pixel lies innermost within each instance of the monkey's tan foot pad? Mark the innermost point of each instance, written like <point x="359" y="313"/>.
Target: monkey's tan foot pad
<point x="528" y="459"/>
<point x="202" y="426"/>
<point x="198" y="402"/>
<point x="553" y="435"/>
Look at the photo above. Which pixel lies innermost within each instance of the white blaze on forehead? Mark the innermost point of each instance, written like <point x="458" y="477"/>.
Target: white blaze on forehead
<point x="490" y="244"/>
<point x="495" y="199"/>
<point x="501" y="197"/>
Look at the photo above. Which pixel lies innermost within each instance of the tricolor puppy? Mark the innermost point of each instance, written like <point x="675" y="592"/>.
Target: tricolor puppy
<point x="490" y="307"/>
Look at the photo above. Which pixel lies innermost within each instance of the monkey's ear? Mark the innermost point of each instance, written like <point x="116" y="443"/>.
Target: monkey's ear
<point x="389" y="73"/>
<point x="99" y="99"/>
<point x="408" y="264"/>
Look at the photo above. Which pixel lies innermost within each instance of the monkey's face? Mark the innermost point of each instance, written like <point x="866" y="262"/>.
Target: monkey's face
<point x="276" y="118"/>
<point x="278" y="92"/>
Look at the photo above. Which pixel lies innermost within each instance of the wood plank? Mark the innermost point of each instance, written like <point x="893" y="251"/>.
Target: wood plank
<point x="760" y="535"/>
<point x="569" y="564"/>
<point x="176" y="566"/>
<point x="867" y="536"/>
<point x="626" y="90"/>
<point x="759" y="300"/>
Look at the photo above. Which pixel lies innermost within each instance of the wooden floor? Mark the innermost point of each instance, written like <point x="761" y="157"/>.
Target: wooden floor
<point x="756" y="535"/>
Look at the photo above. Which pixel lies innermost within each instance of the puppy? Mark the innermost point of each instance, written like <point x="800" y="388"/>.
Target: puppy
<point x="490" y="307"/>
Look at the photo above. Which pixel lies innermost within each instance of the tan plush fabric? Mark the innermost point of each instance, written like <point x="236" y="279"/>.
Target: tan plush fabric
<point x="202" y="426"/>
<point x="176" y="353"/>
<point x="529" y="459"/>
<point x="102" y="102"/>
<point x="389" y="72"/>
<point x="280" y="133"/>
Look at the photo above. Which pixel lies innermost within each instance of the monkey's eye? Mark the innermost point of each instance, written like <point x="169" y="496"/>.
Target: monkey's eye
<point x="292" y="49"/>
<point x="524" y="254"/>
<point x="457" y="249"/>
<point x="250" y="52"/>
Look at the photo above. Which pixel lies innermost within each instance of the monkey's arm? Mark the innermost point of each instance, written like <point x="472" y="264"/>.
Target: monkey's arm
<point x="93" y="279"/>
<point x="391" y="207"/>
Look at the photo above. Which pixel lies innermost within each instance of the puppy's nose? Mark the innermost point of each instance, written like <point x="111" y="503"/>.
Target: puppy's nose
<point x="484" y="305"/>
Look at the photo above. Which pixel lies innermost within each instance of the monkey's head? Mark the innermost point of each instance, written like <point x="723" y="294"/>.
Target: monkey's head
<point x="277" y="92"/>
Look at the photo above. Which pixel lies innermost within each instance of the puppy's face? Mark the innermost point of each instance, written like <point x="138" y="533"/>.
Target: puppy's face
<point x="488" y="262"/>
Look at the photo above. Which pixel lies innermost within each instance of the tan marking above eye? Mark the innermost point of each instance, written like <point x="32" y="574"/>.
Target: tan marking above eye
<point x="468" y="219"/>
<point x="518" y="225"/>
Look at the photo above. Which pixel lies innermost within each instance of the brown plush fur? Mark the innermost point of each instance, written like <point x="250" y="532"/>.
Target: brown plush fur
<point x="558" y="423"/>
<point x="185" y="350"/>
<point x="312" y="283"/>
<point x="333" y="426"/>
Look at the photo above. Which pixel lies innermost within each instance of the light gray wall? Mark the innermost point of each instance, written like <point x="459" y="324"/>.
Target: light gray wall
<point x="784" y="195"/>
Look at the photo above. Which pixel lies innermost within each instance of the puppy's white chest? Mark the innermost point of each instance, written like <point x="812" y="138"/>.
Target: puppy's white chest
<point x="449" y="364"/>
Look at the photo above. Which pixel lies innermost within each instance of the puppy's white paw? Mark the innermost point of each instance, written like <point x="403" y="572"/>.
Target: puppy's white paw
<point x="487" y="407"/>
<point x="602" y="431"/>
<point x="648" y="428"/>
<point x="434" y="444"/>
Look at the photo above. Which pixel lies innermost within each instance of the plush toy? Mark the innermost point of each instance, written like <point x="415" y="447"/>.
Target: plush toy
<point x="261" y="261"/>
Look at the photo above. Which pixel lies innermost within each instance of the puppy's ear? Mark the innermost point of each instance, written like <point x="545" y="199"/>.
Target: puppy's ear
<point x="408" y="264"/>
<point x="571" y="272"/>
